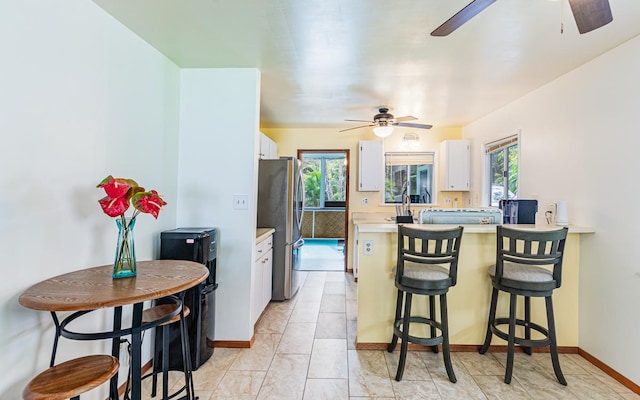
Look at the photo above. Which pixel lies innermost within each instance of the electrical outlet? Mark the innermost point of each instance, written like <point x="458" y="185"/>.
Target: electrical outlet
<point x="240" y="202"/>
<point x="447" y="200"/>
<point x="368" y="247"/>
<point x="364" y="200"/>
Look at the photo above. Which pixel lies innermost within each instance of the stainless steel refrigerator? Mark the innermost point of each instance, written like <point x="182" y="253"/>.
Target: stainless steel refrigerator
<point x="280" y="206"/>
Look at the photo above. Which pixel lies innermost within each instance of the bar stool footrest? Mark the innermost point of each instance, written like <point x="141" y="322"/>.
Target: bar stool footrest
<point x="520" y="340"/>
<point x="430" y="341"/>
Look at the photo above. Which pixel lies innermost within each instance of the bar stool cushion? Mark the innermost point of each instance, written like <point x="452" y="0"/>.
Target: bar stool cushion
<point x="424" y="272"/>
<point x="523" y="273"/>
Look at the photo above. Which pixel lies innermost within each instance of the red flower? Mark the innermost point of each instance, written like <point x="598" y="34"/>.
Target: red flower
<point x="115" y="188"/>
<point x="148" y="202"/>
<point x="120" y="193"/>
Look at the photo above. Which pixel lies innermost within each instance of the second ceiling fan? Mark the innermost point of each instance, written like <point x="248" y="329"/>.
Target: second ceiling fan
<point x="589" y="15"/>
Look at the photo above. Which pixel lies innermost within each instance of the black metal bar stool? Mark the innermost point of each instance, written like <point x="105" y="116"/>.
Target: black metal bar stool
<point x="427" y="264"/>
<point x="161" y="316"/>
<point x="520" y="259"/>
<point x="68" y="380"/>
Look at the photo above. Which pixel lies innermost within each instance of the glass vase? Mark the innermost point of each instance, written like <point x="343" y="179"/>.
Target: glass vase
<point x="124" y="265"/>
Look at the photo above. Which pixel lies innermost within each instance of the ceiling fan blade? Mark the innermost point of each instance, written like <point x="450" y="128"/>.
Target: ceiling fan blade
<point x="590" y="14"/>
<point x="410" y="125"/>
<point x="405" y="118"/>
<point x="358" y="120"/>
<point x="461" y="17"/>
<point x="356" y="127"/>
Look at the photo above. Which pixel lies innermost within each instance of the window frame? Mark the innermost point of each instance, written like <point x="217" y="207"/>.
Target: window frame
<point x="430" y="158"/>
<point x="502" y="144"/>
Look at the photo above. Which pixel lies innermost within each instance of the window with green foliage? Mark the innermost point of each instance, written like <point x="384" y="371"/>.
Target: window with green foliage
<point x="408" y="173"/>
<point x="502" y="158"/>
<point x="324" y="177"/>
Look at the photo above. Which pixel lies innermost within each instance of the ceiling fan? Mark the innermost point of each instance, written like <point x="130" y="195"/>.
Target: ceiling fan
<point x="384" y="123"/>
<point x="589" y="15"/>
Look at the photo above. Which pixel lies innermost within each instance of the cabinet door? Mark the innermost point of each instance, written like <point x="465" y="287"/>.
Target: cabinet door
<point x="455" y="165"/>
<point x="256" y="290"/>
<point x="371" y="170"/>
<point x="268" y="148"/>
<point x="267" y="276"/>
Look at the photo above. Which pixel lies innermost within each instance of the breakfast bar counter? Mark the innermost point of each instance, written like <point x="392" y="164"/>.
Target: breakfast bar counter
<point x="468" y="301"/>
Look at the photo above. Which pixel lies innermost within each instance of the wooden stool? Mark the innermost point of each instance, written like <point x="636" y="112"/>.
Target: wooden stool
<point x="70" y="379"/>
<point x="427" y="265"/>
<point x="523" y="258"/>
<point x="156" y="313"/>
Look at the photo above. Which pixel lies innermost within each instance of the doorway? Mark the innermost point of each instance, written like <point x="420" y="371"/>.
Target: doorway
<point x="326" y="209"/>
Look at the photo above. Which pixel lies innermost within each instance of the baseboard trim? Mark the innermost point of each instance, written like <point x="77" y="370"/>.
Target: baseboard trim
<point x="611" y="372"/>
<point x="232" y="344"/>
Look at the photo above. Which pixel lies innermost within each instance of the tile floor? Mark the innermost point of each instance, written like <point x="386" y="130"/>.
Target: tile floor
<point x="305" y="349"/>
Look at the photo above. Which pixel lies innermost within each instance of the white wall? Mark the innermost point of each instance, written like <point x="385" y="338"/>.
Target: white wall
<point x="81" y="97"/>
<point x="219" y="141"/>
<point x="580" y="143"/>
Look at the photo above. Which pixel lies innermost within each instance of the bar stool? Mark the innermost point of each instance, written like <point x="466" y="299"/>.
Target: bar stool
<point x="519" y="271"/>
<point x="161" y="316"/>
<point x="68" y="380"/>
<point x="427" y="264"/>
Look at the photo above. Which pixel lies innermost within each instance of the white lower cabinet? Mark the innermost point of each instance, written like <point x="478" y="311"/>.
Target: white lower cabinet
<point x="261" y="277"/>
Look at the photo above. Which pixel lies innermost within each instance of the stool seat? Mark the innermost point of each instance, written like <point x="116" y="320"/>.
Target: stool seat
<point x="427" y="264"/>
<point x="71" y="378"/>
<point x="159" y="311"/>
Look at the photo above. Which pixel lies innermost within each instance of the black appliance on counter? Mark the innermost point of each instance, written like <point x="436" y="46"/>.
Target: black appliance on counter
<point x="199" y="245"/>
<point x="518" y="211"/>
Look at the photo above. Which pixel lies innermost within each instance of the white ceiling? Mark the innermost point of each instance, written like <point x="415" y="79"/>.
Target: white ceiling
<point x="325" y="61"/>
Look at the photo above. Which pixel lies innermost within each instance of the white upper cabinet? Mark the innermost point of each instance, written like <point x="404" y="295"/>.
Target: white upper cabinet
<point x="371" y="169"/>
<point x="268" y="148"/>
<point x="455" y="165"/>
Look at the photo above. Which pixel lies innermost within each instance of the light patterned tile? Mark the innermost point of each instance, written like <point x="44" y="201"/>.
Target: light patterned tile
<point x="368" y="374"/>
<point x="286" y="377"/>
<point x="240" y="385"/>
<point x="305" y="312"/>
<point x="414" y="368"/>
<point x="480" y="364"/>
<point x="599" y="374"/>
<point x="352" y="330"/>
<point x="415" y="390"/>
<point x="311" y="294"/>
<point x="297" y="338"/>
<point x="333" y="303"/>
<point x="352" y="309"/>
<point x="589" y="388"/>
<point x="329" y="359"/>
<point x="331" y="287"/>
<point x="464" y="388"/>
<point x="494" y="387"/>
<point x="326" y="389"/>
<point x="273" y="320"/>
<point x="331" y="326"/>
<point x="258" y="357"/>
<point x="209" y="374"/>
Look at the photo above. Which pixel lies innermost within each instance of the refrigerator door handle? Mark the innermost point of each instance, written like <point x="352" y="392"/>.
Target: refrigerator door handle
<point x="298" y="243"/>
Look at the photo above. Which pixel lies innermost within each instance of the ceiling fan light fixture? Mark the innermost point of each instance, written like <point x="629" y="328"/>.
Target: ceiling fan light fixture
<point x="383" y="131"/>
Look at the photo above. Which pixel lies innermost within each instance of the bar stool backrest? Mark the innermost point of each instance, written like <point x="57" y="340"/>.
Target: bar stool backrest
<point x="429" y="247"/>
<point x="533" y="248"/>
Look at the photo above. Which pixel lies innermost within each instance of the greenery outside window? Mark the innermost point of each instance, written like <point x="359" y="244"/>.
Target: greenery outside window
<point x="502" y="159"/>
<point x="324" y="177"/>
<point x="410" y="173"/>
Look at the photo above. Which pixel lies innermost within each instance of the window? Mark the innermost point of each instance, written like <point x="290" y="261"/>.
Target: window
<point x="408" y="173"/>
<point x="324" y="177"/>
<point x="501" y="157"/>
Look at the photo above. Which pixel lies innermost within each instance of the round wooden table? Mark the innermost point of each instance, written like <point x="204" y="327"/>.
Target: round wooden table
<point x="94" y="288"/>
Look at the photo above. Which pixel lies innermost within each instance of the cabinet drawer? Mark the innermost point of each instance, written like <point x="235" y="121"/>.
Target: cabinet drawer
<point x="263" y="246"/>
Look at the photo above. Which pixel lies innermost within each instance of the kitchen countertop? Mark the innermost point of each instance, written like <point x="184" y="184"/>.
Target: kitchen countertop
<point x="262" y="233"/>
<point x="379" y="222"/>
